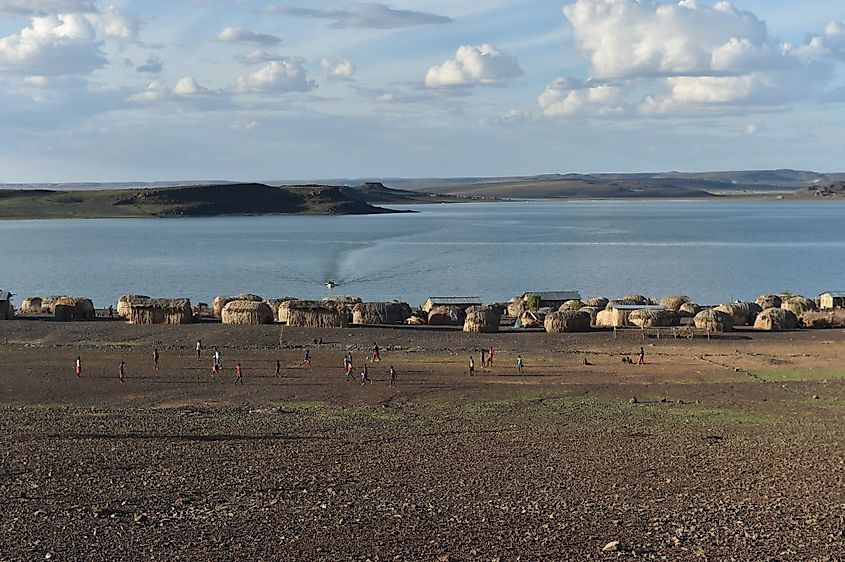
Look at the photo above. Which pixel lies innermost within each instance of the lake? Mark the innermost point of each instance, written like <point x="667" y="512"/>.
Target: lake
<point x="712" y="251"/>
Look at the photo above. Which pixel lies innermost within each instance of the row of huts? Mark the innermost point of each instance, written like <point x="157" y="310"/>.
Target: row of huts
<point x="557" y="311"/>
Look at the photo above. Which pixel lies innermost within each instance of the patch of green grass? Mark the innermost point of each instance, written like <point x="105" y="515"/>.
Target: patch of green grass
<point x="793" y="374"/>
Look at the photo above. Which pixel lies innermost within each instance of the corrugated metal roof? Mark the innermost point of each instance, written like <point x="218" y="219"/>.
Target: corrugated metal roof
<point x="455" y="300"/>
<point x="556" y="295"/>
<point x="836" y="294"/>
<point x="5" y="295"/>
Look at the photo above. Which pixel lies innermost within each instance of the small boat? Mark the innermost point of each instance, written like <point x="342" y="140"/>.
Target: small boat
<point x="330" y="284"/>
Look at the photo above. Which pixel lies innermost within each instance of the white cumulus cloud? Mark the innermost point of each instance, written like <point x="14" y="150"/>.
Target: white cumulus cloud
<point x="474" y="65"/>
<point x="338" y="68"/>
<point x="570" y="98"/>
<point x="281" y="76"/>
<point x="241" y="35"/>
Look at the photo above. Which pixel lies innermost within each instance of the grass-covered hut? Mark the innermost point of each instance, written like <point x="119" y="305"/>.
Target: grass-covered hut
<point x="712" y="320"/>
<point x="689" y="310"/>
<point x="599" y="303"/>
<point x="651" y="318"/>
<point x="160" y="311"/>
<point x="612" y="318"/>
<point x="447" y="315"/>
<point x="567" y="321"/>
<point x="31" y="305"/>
<point x="674" y="303"/>
<point x="247" y="313"/>
<point x="219" y="302"/>
<point x="483" y="319"/>
<point x="48" y="304"/>
<point x="72" y="309"/>
<point x="307" y="314"/>
<point x="776" y="320"/>
<point x="393" y="312"/>
<point x="344" y="300"/>
<point x="769" y="301"/>
<point x="571" y="305"/>
<point x="798" y="305"/>
<point x="743" y="313"/>
<point x="822" y="320"/>
<point x="123" y="304"/>
<point x="516" y="306"/>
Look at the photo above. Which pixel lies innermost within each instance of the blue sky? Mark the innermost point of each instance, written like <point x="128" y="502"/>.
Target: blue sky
<point x="290" y="89"/>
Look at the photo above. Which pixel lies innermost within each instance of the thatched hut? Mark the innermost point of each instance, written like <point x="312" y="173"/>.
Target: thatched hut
<point x="458" y="302"/>
<point x="247" y="313"/>
<point x="798" y="305"/>
<point x="638" y="300"/>
<point x="447" y="316"/>
<point x="713" y="320"/>
<point x="823" y="320"/>
<point x="309" y="314"/>
<point x="31" y="305"/>
<point x="161" y="311"/>
<point x="218" y="303"/>
<point x="689" y="310"/>
<point x="571" y="305"/>
<point x="7" y="310"/>
<point x="776" y="320"/>
<point x="650" y="318"/>
<point x="344" y="300"/>
<point x="516" y="307"/>
<point x="48" y="304"/>
<point x="70" y="309"/>
<point x="483" y="319"/>
<point x="568" y="321"/>
<point x="123" y="304"/>
<point x="674" y="303"/>
<point x="613" y="318"/>
<point x="592" y="311"/>
<point x="597" y="302"/>
<point x="393" y="312"/>
<point x="743" y="313"/>
<point x="769" y="301"/>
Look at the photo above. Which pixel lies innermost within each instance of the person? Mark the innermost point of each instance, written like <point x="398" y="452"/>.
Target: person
<point x="307" y="359"/>
<point x="520" y="364"/>
<point x="641" y="358"/>
<point x="365" y="375"/>
<point x="349" y="375"/>
<point x="155" y="359"/>
<point x="121" y="371"/>
<point x="471" y="366"/>
<point x="239" y="377"/>
<point x="392" y="377"/>
<point x="376" y="353"/>
<point x="278" y="368"/>
<point x="199" y="349"/>
<point x="490" y="357"/>
<point x="78" y="366"/>
<point x="215" y="369"/>
<point x="217" y="359"/>
<point x="483" y="357"/>
<point x="111" y="311"/>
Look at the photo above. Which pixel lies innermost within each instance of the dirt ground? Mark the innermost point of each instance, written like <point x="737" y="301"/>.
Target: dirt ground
<point x="727" y="449"/>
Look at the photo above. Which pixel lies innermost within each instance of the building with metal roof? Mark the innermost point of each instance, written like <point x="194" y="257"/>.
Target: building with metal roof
<point x="831" y="300"/>
<point x="460" y="302"/>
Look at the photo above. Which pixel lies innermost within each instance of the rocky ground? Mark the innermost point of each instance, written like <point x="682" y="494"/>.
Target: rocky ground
<point x="732" y="449"/>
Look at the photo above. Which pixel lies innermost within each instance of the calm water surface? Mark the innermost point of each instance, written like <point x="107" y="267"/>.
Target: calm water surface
<point x="712" y="251"/>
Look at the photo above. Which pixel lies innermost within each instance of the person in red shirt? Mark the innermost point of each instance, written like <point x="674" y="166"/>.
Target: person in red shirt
<point x="121" y="371"/>
<point x="155" y="359"/>
<point x="490" y="357"/>
<point x="78" y="366"/>
<point x="239" y="378"/>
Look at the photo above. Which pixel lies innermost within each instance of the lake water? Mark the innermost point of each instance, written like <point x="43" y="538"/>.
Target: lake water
<point x="713" y="251"/>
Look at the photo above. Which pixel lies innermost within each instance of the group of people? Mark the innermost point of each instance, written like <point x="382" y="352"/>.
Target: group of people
<point x="487" y="360"/>
<point x="348" y="367"/>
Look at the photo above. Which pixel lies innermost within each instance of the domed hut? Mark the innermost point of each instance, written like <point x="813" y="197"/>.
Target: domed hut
<point x="308" y="314"/>
<point x="776" y="320"/>
<point x="612" y="318"/>
<point x="71" y="309"/>
<point x="650" y="318"/>
<point x="247" y="313"/>
<point x="592" y="311"/>
<point x="48" y="304"/>
<point x="599" y="303"/>
<point x="482" y="320"/>
<point x="674" y="303"/>
<point x="123" y="304"/>
<point x="823" y="320"/>
<point x="712" y="320"/>
<point x="447" y="316"/>
<point x="571" y="305"/>
<point x="31" y="305"/>
<point x="799" y="305"/>
<point x="516" y="307"/>
<point x="344" y="300"/>
<point x="689" y="310"/>
<point x="568" y="321"/>
<point x="219" y="302"/>
<point x="638" y="300"/>
<point x="743" y="313"/>
<point x="769" y="301"/>
<point x="161" y="311"/>
<point x="374" y="313"/>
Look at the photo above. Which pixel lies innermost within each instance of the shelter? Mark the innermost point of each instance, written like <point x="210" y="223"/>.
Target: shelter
<point x="554" y="299"/>
<point x="483" y="320"/>
<point x="160" y="311"/>
<point x="7" y="311"/>
<point x="70" y="309"/>
<point x="31" y="305"/>
<point x="305" y="314"/>
<point x="373" y="313"/>
<point x="832" y="299"/>
<point x="457" y="302"/>
<point x="247" y="313"/>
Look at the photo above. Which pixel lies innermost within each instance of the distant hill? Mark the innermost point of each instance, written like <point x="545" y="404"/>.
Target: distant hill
<point x="184" y="201"/>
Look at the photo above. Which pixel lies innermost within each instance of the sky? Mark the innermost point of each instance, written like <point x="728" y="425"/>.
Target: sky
<point x="260" y="90"/>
